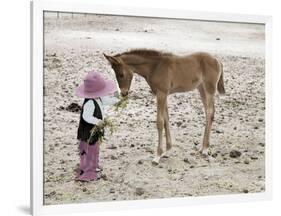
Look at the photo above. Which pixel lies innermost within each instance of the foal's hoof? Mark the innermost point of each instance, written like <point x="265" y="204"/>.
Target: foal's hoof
<point x="164" y="154"/>
<point x="155" y="161"/>
<point x="204" y="151"/>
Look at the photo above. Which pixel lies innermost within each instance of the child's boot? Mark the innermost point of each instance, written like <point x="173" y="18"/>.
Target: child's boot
<point x="82" y="155"/>
<point x="99" y="168"/>
<point x="89" y="172"/>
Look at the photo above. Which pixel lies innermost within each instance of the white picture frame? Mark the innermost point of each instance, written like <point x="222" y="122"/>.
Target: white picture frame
<point x="37" y="9"/>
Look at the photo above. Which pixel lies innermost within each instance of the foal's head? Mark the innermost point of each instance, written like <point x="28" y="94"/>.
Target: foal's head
<point x="123" y="73"/>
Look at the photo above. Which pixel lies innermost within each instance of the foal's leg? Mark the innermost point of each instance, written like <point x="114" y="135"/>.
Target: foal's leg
<point x="208" y="101"/>
<point x="167" y="130"/>
<point x="161" y="103"/>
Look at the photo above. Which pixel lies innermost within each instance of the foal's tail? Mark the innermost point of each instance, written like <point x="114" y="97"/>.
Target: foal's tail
<point x="221" y="89"/>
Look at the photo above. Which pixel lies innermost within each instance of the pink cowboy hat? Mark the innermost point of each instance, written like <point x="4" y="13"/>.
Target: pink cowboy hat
<point x="95" y="85"/>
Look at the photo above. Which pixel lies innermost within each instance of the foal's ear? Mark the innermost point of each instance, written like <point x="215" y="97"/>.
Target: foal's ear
<point x="112" y="60"/>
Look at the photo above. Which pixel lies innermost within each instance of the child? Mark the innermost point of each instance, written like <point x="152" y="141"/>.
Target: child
<point x="94" y="88"/>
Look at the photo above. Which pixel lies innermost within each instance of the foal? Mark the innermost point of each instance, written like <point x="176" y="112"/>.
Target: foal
<point x="166" y="73"/>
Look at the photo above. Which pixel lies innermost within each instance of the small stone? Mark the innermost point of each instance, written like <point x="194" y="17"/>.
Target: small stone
<point x="139" y="191"/>
<point x="179" y="124"/>
<point x="112" y="147"/>
<point x="245" y="191"/>
<point x="191" y="167"/>
<point x="256" y="127"/>
<point x="104" y="177"/>
<point x="260" y="120"/>
<point x="235" y="154"/>
<point x="214" y="155"/>
<point x="186" y="160"/>
<point x="113" y="157"/>
<point x="261" y="144"/>
<point x="52" y="193"/>
<point x="84" y="189"/>
<point x="218" y="39"/>
<point x="218" y="131"/>
<point x="254" y="157"/>
<point x="112" y="190"/>
<point x="140" y="162"/>
<point x="132" y="145"/>
<point x="246" y="161"/>
<point x="62" y="161"/>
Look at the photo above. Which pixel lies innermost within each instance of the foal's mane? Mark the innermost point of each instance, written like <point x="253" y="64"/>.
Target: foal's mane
<point x="145" y="53"/>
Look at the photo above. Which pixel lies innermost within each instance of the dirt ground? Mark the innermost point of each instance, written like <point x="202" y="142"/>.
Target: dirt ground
<point x="74" y="46"/>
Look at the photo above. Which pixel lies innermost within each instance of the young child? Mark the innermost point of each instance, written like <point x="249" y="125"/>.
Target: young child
<point x="94" y="88"/>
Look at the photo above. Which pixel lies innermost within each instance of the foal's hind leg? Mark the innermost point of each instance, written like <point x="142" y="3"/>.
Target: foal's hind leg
<point x="167" y="129"/>
<point x="207" y="95"/>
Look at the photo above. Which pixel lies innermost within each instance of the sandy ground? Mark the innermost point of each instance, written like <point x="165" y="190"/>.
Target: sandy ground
<point x="74" y="46"/>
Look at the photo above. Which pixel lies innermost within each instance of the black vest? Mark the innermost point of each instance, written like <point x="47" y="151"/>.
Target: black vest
<point x="85" y="127"/>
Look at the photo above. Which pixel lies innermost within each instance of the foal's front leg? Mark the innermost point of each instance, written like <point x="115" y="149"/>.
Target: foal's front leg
<point x="161" y="104"/>
<point x="209" y="120"/>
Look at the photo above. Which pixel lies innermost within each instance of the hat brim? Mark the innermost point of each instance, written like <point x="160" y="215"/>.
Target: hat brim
<point x="109" y="88"/>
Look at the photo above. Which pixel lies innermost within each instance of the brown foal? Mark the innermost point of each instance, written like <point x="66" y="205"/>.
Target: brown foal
<point x="166" y="73"/>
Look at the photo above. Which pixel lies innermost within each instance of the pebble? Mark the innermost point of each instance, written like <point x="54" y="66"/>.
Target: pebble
<point x="214" y="155"/>
<point x="254" y="157"/>
<point x="112" y="147"/>
<point x="179" y="124"/>
<point x="112" y="190"/>
<point x="196" y="143"/>
<point x="186" y="160"/>
<point x="104" y="177"/>
<point x="139" y="191"/>
<point x="113" y="157"/>
<point x="235" y="154"/>
<point x="245" y="191"/>
<point x="140" y="162"/>
<point x="246" y="161"/>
